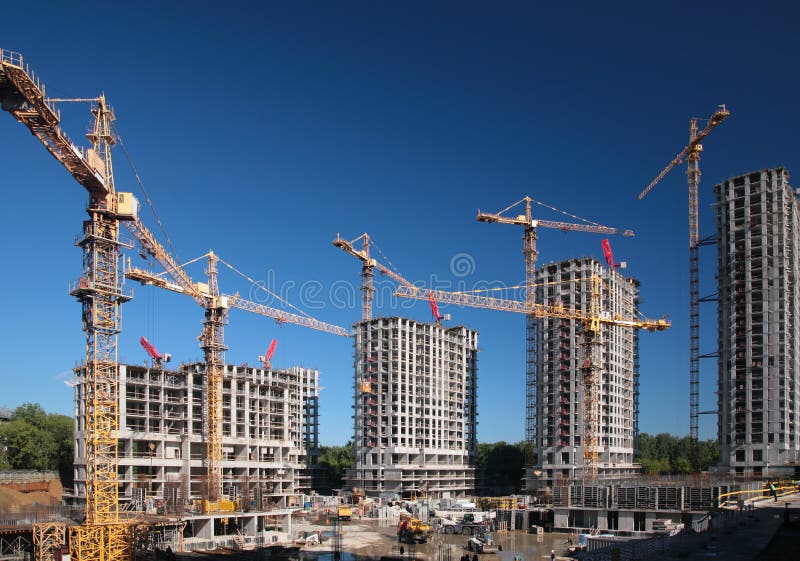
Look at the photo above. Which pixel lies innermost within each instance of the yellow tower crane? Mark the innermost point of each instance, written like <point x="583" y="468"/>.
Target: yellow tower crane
<point x="212" y="341"/>
<point x="103" y="536"/>
<point x="692" y="154"/>
<point x="592" y="322"/>
<point x="367" y="270"/>
<point x="530" y="224"/>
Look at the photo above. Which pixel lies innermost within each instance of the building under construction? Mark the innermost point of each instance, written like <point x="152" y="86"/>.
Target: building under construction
<point x="415" y="408"/>
<point x="560" y="399"/>
<point x="758" y="228"/>
<point x="269" y="424"/>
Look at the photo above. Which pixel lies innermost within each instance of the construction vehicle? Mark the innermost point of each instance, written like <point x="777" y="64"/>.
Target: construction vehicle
<point x="466" y="526"/>
<point x="344" y="512"/>
<point x="412" y="530"/>
<point x="692" y="154"/>
<point x="482" y="542"/>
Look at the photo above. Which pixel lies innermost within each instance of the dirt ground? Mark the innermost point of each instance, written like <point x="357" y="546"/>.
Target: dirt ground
<point x="373" y="538"/>
<point x="369" y="539"/>
<point x="11" y="498"/>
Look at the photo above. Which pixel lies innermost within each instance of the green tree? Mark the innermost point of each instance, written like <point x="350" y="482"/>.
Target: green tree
<point x="63" y="430"/>
<point x="27" y="446"/>
<point x="32" y="414"/>
<point x="335" y="460"/>
<point x="665" y="453"/>
<point x="34" y="439"/>
<point x="501" y="465"/>
<point x="681" y="465"/>
<point x="709" y="453"/>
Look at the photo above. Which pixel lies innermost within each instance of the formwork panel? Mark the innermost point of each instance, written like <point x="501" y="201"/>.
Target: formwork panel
<point x="595" y="497"/>
<point x="645" y="498"/>
<point x="669" y="498"/>
<point x="698" y="498"/>
<point x="626" y="498"/>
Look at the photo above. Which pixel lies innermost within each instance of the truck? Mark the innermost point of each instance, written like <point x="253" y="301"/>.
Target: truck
<point x="466" y="527"/>
<point x="482" y="542"/>
<point x="345" y="512"/>
<point x="413" y="530"/>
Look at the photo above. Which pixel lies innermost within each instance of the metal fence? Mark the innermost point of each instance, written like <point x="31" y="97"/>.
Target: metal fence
<point x="26" y="476"/>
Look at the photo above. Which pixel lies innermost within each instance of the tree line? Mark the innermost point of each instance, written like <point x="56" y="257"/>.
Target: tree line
<point x="34" y="439"/>
<point x="499" y="465"/>
<point x="668" y="454"/>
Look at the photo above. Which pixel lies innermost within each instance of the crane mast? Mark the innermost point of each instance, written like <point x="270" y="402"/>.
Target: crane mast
<point x="692" y="153"/>
<point x="212" y="341"/>
<point x="100" y="292"/>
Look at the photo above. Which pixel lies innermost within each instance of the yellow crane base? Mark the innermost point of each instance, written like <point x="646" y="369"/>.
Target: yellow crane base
<point x="101" y="542"/>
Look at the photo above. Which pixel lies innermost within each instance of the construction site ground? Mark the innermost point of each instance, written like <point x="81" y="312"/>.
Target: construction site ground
<point x="759" y="534"/>
<point x="12" y="500"/>
<point x="371" y="539"/>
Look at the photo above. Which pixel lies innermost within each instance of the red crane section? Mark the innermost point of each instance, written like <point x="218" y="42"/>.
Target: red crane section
<point x="157" y="357"/>
<point x="435" y="309"/>
<point x="608" y="254"/>
<point x="267" y="358"/>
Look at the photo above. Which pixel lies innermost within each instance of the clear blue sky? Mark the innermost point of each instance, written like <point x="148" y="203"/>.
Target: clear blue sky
<point x="263" y="130"/>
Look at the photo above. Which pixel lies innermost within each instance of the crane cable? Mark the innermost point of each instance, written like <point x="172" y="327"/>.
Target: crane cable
<point x="540" y="203"/>
<point x="565" y="213"/>
<point x="392" y="265"/>
<point x="262" y="287"/>
<point x="144" y="191"/>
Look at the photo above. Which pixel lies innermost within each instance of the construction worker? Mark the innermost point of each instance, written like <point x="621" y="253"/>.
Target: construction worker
<point x="773" y="491"/>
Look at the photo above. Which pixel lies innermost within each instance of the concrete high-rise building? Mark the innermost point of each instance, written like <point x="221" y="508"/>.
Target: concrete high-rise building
<point x="269" y="421"/>
<point x="758" y="229"/>
<point x="559" y="389"/>
<point x="415" y="408"/>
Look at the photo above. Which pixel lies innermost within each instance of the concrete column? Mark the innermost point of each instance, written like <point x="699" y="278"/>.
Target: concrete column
<point x="249" y="526"/>
<point x="204" y="528"/>
<point x="186" y="469"/>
